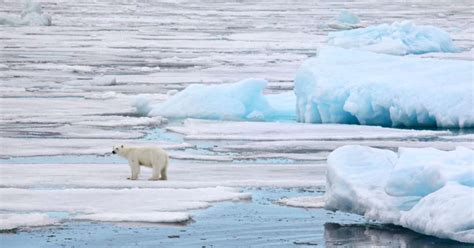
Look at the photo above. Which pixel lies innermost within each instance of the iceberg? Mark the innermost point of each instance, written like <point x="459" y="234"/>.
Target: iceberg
<point x="358" y="87"/>
<point x="235" y="101"/>
<point x="32" y="15"/>
<point x="398" y="38"/>
<point x="423" y="189"/>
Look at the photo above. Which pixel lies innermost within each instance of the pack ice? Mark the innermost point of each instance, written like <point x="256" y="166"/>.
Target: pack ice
<point x="31" y="15"/>
<point x="424" y="189"/>
<point x="358" y="87"/>
<point x="398" y="38"/>
<point x="240" y="100"/>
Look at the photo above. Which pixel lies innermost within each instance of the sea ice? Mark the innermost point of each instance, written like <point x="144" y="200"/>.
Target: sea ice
<point x="303" y="202"/>
<point x="427" y="190"/>
<point x="359" y="87"/>
<point x="241" y="100"/>
<point x="345" y="20"/>
<point x="196" y="129"/>
<point x="15" y="220"/>
<point x="32" y="15"/>
<point x="101" y="192"/>
<point x="398" y="38"/>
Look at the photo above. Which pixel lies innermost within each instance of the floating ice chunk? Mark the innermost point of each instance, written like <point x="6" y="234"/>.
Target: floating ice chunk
<point x="195" y="129"/>
<point x="153" y="217"/>
<point x="400" y="189"/>
<point x="358" y="87"/>
<point x="142" y="105"/>
<point x="115" y="204"/>
<point x="32" y="15"/>
<point x="347" y="17"/>
<point x="303" y="202"/>
<point x="446" y="213"/>
<point x="345" y="20"/>
<point x="13" y="221"/>
<point x="241" y="100"/>
<point x="418" y="174"/>
<point x="398" y="38"/>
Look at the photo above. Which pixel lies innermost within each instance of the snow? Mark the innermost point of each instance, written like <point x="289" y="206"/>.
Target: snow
<point x="79" y="146"/>
<point x="153" y="217"/>
<point x="31" y="15"/>
<point x="303" y="202"/>
<point x="398" y="38"/>
<point x="427" y="190"/>
<point x="241" y="100"/>
<point x="195" y="129"/>
<point x="182" y="175"/>
<point x="312" y="146"/>
<point x="101" y="192"/>
<point x="355" y="87"/>
<point x="15" y="220"/>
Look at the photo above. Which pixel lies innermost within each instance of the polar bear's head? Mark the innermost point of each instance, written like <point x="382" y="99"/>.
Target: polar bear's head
<point x="119" y="150"/>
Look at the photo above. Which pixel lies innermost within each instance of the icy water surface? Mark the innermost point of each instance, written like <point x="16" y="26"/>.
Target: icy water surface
<point x="67" y="90"/>
<point x="257" y="223"/>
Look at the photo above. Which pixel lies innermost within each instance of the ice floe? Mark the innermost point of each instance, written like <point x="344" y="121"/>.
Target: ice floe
<point x="358" y="87"/>
<point x="303" y="202"/>
<point x="345" y="20"/>
<point x="17" y="220"/>
<point x="195" y="129"/>
<point x="31" y="15"/>
<point x="235" y="101"/>
<point x="181" y="175"/>
<point x="101" y="192"/>
<point x="398" y="38"/>
<point x="427" y="190"/>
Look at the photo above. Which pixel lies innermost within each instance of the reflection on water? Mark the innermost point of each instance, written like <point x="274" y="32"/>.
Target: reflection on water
<point x="360" y="235"/>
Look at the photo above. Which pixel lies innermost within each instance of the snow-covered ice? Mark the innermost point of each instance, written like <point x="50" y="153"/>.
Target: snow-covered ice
<point x="18" y="220"/>
<point x="359" y="87"/>
<point x="183" y="175"/>
<point x="101" y="192"/>
<point x="241" y="100"/>
<point x="427" y="190"/>
<point x="31" y="15"/>
<point x="398" y="38"/>
<point x="303" y="201"/>
<point x="195" y="129"/>
<point x="345" y="20"/>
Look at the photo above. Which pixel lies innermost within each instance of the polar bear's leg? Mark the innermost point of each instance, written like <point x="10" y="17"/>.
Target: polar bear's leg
<point x="135" y="168"/>
<point x="163" y="174"/>
<point x="156" y="172"/>
<point x="163" y="170"/>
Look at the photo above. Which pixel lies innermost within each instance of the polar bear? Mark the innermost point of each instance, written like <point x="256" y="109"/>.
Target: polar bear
<point x="152" y="156"/>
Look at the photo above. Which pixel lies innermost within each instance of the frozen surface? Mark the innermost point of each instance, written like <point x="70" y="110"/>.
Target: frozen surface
<point x="79" y="146"/>
<point x="309" y="146"/>
<point x="153" y="217"/>
<point x="13" y="221"/>
<point x="398" y="38"/>
<point x="348" y="86"/>
<point x="101" y="192"/>
<point x="195" y="129"/>
<point x="345" y="20"/>
<point x="303" y="202"/>
<point x="241" y="100"/>
<point x="427" y="190"/>
<point x="182" y="175"/>
<point x="32" y="15"/>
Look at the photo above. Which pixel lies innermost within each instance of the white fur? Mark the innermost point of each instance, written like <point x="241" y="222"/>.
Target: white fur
<point x="153" y="157"/>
